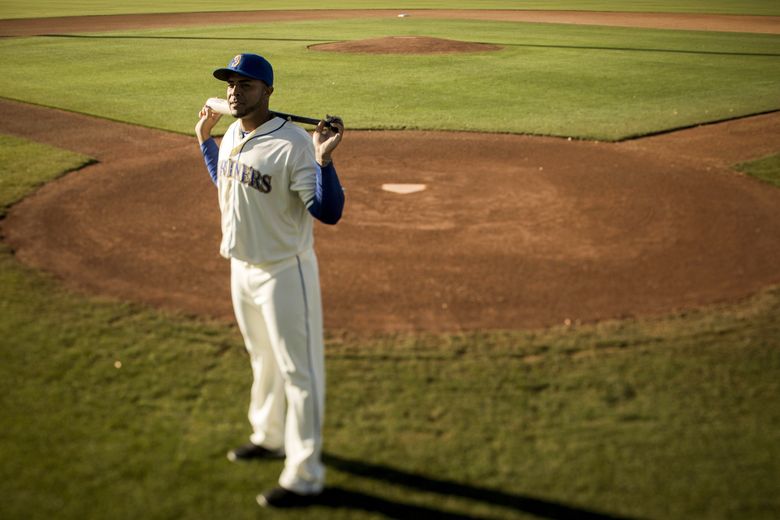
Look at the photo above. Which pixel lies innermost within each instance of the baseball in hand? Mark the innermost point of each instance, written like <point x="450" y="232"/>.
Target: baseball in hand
<point x="218" y="105"/>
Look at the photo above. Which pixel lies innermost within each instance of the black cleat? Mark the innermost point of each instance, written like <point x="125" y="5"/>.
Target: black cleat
<point x="252" y="451"/>
<point x="281" y="497"/>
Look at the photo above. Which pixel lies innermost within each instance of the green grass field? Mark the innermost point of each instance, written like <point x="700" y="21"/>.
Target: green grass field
<point x="563" y="80"/>
<point x="20" y="9"/>
<point x="112" y="410"/>
<point x="766" y="168"/>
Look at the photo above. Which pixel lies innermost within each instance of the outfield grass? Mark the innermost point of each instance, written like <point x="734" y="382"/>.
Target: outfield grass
<point x="767" y="169"/>
<point x="563" y="80"/>
<point x="22" y="9"/>
<point x="20" y="175"/>
<point x="664" y="418"/>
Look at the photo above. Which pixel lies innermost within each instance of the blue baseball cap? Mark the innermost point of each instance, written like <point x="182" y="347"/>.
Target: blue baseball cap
<point x="249" y="65"/>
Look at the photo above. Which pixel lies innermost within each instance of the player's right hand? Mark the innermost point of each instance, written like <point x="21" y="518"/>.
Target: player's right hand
<point x="208" y="120"/>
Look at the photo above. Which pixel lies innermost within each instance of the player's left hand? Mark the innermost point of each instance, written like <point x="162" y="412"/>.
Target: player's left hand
<point x="326" y="138"/>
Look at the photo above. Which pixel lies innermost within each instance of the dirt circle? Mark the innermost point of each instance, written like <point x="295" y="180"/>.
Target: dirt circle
<point x="528" y="232"/>
<point x="405" y="45"/>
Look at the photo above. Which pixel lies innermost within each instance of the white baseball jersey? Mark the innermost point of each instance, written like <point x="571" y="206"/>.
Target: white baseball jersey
<point x="265" y="181"/>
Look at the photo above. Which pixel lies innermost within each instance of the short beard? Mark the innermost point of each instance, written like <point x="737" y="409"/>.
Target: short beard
<point x="240" y="114"/>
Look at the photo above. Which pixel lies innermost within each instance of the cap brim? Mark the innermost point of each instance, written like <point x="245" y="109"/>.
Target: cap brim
<point x="222" y="74"/>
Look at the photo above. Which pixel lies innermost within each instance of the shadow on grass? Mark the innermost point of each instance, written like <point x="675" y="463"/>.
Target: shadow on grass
<point x="342" y="498"/>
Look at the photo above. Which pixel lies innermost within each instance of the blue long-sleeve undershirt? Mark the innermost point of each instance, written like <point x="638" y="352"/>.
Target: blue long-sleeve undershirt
<point x="210" y="151"/>
<point x="328" y="202"/>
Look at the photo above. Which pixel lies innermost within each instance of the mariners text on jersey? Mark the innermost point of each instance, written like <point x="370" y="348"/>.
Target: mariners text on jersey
<point x="245" y="174"/>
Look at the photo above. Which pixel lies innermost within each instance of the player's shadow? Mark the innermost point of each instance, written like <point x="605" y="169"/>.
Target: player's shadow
<point x="338" y="497"/>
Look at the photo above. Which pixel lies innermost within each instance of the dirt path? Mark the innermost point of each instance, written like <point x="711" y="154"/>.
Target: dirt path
<point x="700" y="22"/>
<point x="528" y="232"/>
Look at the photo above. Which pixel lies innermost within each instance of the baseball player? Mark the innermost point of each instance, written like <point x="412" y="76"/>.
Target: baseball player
<point x="272" y="180"/>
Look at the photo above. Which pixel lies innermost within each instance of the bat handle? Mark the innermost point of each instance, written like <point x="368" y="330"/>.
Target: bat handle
<point x="307" y="120"/>
<point x="296" y="119"/>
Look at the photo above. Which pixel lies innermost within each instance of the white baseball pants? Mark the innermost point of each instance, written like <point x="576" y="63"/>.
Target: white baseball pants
<point x="279" y="312"/>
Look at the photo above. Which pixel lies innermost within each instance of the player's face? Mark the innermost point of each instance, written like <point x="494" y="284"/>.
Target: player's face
<point x="246" y="95"/>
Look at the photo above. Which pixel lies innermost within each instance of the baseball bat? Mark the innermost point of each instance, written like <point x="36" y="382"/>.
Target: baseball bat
<point x="296" y="119"/>
<point x="329" y="120"/>
<point x="221" y="106"/>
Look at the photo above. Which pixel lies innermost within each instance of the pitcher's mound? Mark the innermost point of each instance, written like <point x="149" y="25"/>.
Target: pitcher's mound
<point x="405" y="45"/>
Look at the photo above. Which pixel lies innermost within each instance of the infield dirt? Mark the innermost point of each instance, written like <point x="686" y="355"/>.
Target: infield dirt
<point x="512" y="231"/>
<point x="695" y="22"/>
